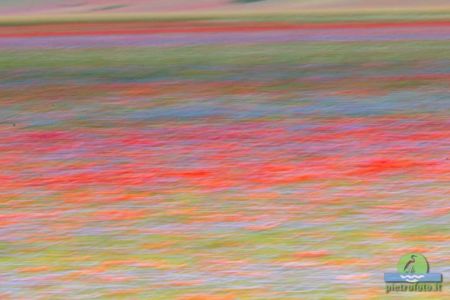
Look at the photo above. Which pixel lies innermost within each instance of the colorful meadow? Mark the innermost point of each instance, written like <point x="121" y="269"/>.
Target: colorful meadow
<point x="222" y="159"/>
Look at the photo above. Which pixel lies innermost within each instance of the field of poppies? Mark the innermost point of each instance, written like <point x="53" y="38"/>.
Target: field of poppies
<point x="222" y="159"/>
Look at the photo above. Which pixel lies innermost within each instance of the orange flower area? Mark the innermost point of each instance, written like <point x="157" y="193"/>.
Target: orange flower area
<point x="160" y="245"/>
<point x="5" y="296"/>
<point x="224" y="217"/>
<point x="268" y="169"/>
<point x="384" y="235"/>
<point x="126" y="292"/>
<point x="366" y="293"/>
<point x="207" y="297"/>
<point x="311" y="254"/>
<point x="262" y="227"/>
<point x="342" y="263"/>
<point x="185" y="283"/>
<point x="220" y="88"/>
<point x="353" y="276"/>
<point x="37" y="269"/>
<point x="440" y="212"/>
<point x="5" y="223"/>
<point x="430" y="238"/>
<point x="114" y="278"/>
<point x="161" y="27"/>
<point x="118" y="215"/>
<point x="400" y="251"/>
<point x="387" y="165"/>
<point x="108" y="265"/>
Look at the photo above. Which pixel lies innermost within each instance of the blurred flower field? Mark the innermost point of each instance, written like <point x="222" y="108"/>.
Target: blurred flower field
<point x="222" y="158"/>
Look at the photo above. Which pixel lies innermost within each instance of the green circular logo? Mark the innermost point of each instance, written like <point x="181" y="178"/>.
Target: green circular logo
<point x="413" y="263"/>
